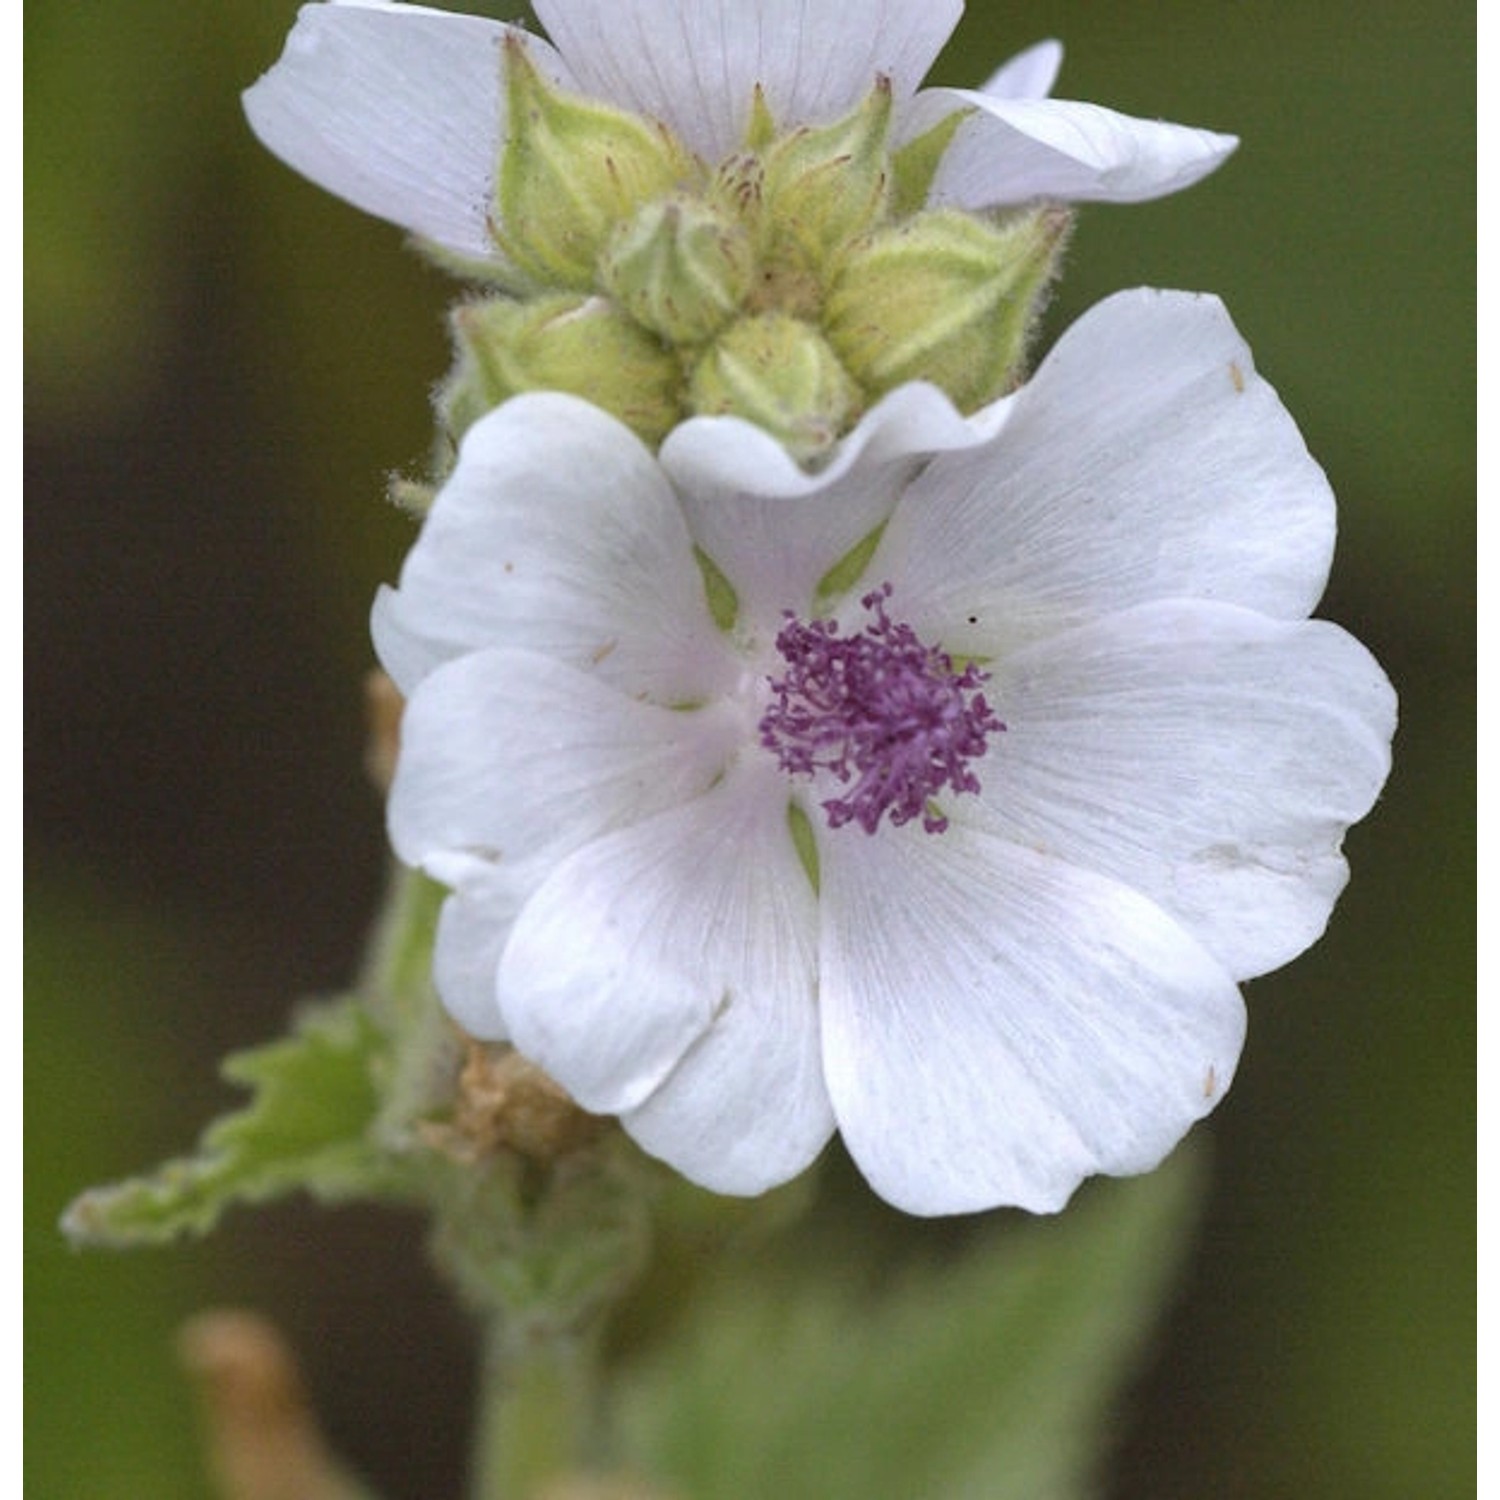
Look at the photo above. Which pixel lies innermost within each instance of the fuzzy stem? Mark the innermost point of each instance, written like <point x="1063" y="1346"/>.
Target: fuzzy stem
<point x="538" y="1411"/>
<point x="399" y="964"/>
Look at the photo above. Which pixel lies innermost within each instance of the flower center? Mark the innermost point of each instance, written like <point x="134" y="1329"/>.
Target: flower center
<point x="880" y="710"/>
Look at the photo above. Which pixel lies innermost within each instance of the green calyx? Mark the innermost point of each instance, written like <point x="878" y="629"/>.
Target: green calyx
<point x="585" y="346"/>
<point x="792" y="284"/>
<point x="678" y="267"/>
<point x="945" y="298"/>
<point x="572" y="170"/>
<point x="778" y="372"/>
<point x="820" y="189"/>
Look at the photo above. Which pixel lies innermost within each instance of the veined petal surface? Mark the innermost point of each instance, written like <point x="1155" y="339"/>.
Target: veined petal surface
<point x="1026" y="149"/>
<point x="998" y="1024"/>
<point x="1201" y="754"/>
<point x="695" y="64"/>
<point x="557" y="533"/>
<point x="640" y="941"/>
<point x="524" y="758"/>
<point x="713" y="1117"/>
<point x="775" y="555"/>
<point x="1145" y="459"/>
<point x="396" y="109"/>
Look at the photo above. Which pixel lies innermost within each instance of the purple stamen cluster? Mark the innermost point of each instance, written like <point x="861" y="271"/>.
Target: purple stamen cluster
<point x="879" y="709"/>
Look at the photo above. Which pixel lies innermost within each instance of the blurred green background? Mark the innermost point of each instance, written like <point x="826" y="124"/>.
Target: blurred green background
<point x="223" y="365"/>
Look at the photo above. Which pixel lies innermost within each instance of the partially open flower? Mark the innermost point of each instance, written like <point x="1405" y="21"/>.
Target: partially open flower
<point x="705" y="162"/>
<point x="944" y="809"/>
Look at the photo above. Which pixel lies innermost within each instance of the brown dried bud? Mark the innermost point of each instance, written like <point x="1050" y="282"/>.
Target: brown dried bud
<point x="506" y="1103"/>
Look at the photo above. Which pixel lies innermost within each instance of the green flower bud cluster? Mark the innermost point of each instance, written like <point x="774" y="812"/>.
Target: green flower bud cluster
<point x="793" y="284"/>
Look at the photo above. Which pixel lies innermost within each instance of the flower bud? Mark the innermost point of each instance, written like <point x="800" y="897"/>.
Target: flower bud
<point x="946" y="298"/>
<point x="678" y="267"/>
<point x="822" y="187"/>
<point x="778" y="372"/>
<point x="570" y="171"/>
<point x="582" y="345"/>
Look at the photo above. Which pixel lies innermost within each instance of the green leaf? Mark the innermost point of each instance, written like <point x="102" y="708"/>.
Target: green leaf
<point x="307" y="1127"/>
<point x="988" y="1379"/>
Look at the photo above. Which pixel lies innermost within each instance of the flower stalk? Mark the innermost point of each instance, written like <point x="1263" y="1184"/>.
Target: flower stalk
<point x="538" y="1219"/>
<point x="539" y="1410"/>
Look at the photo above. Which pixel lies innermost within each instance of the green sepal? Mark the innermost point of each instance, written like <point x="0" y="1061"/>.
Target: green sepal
<point x="760" y="130"/>
<point x="583" y="345"/>
<point x="571" y="170"/>
<point x="778" y="372"/>
<point x="414" y="496"/>
<point x="547" y="1246"/>
<point x="718" y="592"/>
<point x="679" y="267"/>
<point x="946" y="298"/>
<point x="914" y="166"/>
<point x="805" y="842"/>
<point x="821" y="187"/>
<point x="306" y="1128"/>
<point x="848" y="570"/>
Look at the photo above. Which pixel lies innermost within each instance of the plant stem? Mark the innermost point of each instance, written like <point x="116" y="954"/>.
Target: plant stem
<point x="539" y="1410"/>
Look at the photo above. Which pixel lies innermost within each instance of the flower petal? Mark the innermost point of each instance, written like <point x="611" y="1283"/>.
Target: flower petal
<point x="746" y="1107"/>
<point x="1201" y="754"/>
<point x="775" y="554"/>
<point x="1019" y="150"/>
<point x="1145" y="459"/>
<point x="710" y="456"/>
<point x="999" y="1025"/>
<point x="396" y="109"/>
<point x="556" y="533"/>
<point x="640" y="942"/>
<point x="517" y="758"/>
<point x="472" y="930"/>
<point x="1028" y="75"/>
<point x="694" y="64"/>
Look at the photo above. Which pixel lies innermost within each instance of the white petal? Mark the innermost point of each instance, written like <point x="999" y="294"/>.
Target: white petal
<point x="746" y="1107"/>
<point x="557" y="533"/>
<point x="517" y="758"/>
<point x="1028" y="75"/>
<point x="1019" y="150"/>
<point x="641" y="941"/>
<point x="1201" y="754"/>
<point x="775" y="554"/>
<point x="1145" y="459"/>
<point x="408" y="646"/>
<point x="999" y="1025"/>
<point x="709" y="456"/>
<point x="472" y="930"/>
<point x="694" y="64"/>
<point x="397" y="110"/>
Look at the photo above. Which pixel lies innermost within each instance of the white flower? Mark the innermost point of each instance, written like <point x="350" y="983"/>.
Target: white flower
<point x="1070" y="680"/>
<point x="399" y="108"/>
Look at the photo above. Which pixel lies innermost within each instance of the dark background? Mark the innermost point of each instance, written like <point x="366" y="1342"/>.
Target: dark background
<point x="222" y="367"/>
